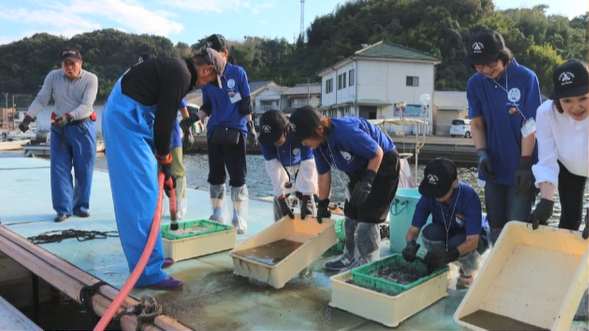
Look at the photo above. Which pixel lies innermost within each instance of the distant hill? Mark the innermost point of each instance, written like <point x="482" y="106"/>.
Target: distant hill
<point x="438" y="27"/>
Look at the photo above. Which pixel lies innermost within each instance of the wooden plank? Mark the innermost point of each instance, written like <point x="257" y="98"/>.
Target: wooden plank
<point x="69" y="279"/>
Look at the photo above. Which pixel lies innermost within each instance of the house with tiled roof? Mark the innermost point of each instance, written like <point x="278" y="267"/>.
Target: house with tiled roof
<point x="370" y="82"/>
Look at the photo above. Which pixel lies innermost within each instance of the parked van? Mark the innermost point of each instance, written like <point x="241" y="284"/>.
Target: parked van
<point x="460" y="127"/>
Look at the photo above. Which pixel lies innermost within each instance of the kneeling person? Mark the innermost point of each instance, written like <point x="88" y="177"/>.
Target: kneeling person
<point x="286" y="162"/>
<point x="456" y="232"/>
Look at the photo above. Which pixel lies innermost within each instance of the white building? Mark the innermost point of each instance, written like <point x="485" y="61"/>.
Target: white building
<point x="301" y="95"/>
<point x="448" y="105"/>
<point x="369" y="83"/>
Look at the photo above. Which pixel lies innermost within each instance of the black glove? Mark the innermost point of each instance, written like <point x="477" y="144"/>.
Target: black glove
<point x="24" y="125"/>
<point x="323" y="210"/>
<point x="485" y="164"/>
<point x="305" y="203"/>
<point x="61" y="121"/>
<point x="586" y="230"/>
<point x="435" y="259"/>
<point x="542" y="213"/>
<point x="284" y="208"/>
<point x="165" y="163"/>
<point x="362" y="188"/>
<point x="252" y="136"/>
<point x="523" y="175"/>
<point x="410" y="252"/>
<point x="187" y="122"/>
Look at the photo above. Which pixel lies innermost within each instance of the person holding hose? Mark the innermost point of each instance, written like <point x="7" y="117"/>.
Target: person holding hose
<point x="73" y="136"/>
<point x="286" y="163"/>
<point x="563" y="134"/>
<point x="229" y="105"/>
<point x="502" y="99"/>
<point x="369" y="158"/>
<point x="137" y="121"/>
<point x="178" y="168"/>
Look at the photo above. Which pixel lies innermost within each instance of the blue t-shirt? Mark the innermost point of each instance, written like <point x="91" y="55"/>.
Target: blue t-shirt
<point x="287" y="154"/>
<point x="352" y="141"/>
<point x="224" y="112"/>
<point x="176" y="138"/>
<point x="489" y="98"/>
<point x="463" y="213"/>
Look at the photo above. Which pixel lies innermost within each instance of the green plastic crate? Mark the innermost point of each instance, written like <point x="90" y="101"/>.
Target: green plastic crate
<point x="341" y="238"/>
<point x="210" y="227"/>
<point x="362" y="275"/>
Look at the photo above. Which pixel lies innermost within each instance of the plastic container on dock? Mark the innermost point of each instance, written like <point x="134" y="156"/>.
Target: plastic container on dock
<point x="284" y="249"/>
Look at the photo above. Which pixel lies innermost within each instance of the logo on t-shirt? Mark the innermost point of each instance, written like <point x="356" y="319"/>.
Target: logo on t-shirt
<point x="459" y="220"/>
<point x="477" y="47"/>
<point x="514" y="94"/>
<point x="266" y="128"/>
<point x="296" y="151"/>
<point x="231" y="83"/>
<point x="347" y="156"/>
<point x="566" y="78"/>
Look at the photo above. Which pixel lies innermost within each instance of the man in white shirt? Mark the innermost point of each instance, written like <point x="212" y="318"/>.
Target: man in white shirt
<point x="73" y="139"/>
<point x="563" y="136"/>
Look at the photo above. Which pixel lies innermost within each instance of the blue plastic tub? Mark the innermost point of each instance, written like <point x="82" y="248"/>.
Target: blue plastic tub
<point x="402" y="210"/>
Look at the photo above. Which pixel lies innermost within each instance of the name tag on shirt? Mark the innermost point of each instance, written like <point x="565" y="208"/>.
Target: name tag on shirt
<point x="528" y="127"/>
<point x="235" y="97"/>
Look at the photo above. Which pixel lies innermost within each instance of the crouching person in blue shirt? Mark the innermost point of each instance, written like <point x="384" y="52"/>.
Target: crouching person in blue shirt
<point x="286" y="162"/>
<point x="369" y="158"/>
<point x="457" y="232"/>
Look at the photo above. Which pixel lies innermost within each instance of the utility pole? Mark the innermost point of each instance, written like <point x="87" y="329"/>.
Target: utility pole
<point x="302" y="31"/>
<point x="6" y="95"/>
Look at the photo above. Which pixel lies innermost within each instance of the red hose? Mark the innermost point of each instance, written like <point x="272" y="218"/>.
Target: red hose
<point x="130" y="283"/>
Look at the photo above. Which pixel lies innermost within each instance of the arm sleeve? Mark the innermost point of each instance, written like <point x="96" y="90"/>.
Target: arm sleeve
<point x="546" y="170"/>
<point x="174" y="87"/>
<point x="43" y="97"/>
<point x="183" y="104"/>
<point x="532" y="100"/>
<point x="85" y="108"/>
<point x="245" y="105"/>
<point x="278" y="176"/>
<point x="474" y="104"/>
<point x="422" y="212"/>
<point x="322" y="166"/>
<point x="306" y="153"/>
<point x="473" y="216"/>
<point x="307" y="178"/>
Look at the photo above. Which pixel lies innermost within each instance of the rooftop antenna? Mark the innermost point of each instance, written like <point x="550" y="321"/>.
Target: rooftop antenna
<point x="302" y="32"/>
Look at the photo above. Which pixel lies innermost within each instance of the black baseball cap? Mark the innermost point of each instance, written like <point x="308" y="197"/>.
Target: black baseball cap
<point x="145" y="57"/>
<point x="272" y="125"/>
<point x="70" y="54"/>
<point x="303" y="122"/>
<point x="216" y="42"/>
<point x="484" y="47"/>
<point x="570" y="79"/>
<point x="438" y="177"/>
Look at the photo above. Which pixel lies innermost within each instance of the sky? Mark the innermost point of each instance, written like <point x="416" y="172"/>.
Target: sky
<point x="190" y="20"/>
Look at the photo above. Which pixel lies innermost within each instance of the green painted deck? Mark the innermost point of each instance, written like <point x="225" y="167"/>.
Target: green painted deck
<point x="212" y="297"/>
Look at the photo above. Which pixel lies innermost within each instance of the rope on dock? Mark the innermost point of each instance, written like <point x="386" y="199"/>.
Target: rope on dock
<point x="81" y="235"/>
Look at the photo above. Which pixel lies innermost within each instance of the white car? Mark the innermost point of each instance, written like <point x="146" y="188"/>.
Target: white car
<point x="460" y="127"/>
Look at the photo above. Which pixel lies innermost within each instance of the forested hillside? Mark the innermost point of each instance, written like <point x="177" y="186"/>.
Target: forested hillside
<point x="439" y="27"/>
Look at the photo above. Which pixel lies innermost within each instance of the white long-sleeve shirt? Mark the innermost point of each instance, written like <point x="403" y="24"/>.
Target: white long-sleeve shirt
<point x="75" y="97"/>
<point x="560" y="138"/>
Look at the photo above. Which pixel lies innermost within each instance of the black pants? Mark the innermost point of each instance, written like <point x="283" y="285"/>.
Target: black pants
<point x="231" y="157"/>
<point x="571" y="189"/>
<point x="377" y="206"/>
